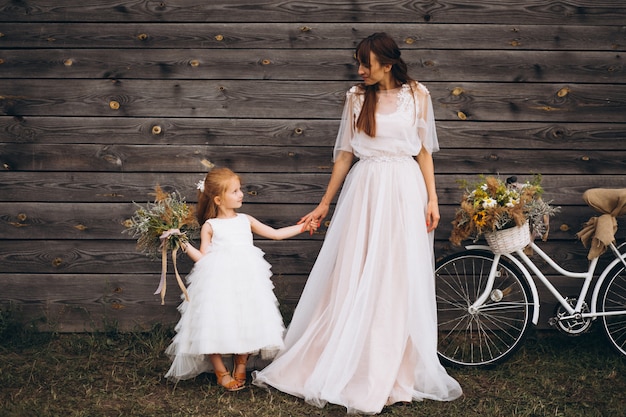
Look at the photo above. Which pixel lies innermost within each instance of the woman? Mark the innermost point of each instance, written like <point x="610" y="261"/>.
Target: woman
<point x="364" y="334"/>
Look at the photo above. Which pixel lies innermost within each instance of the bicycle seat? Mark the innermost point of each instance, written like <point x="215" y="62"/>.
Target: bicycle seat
<point x="599" y="232"/>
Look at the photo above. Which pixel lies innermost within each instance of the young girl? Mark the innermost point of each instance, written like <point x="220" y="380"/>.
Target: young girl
<point x="232" y="308"/>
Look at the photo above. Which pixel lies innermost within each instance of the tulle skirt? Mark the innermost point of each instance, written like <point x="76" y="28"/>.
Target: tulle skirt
<point x="232" y="309"/>
<point x="364" y="333"/>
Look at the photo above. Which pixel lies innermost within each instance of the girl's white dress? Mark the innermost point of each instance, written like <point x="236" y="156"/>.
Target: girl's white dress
<point x="232" y="308"/>
<point x="364" y="333"/>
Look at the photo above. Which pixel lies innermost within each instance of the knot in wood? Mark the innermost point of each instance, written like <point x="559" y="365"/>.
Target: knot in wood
<point x="563" y="92"/>
<point x="219" y="38"/>
<point x="585" y="158"/>
<point x="461" y="115"/>
<point x="112" y="159"/>
<point x="56" y="262"/>
<point x="266" y="62"/>
<point x="457" y="91"/>
<point x="109" y="157"/>
<point x="207" y="164"/>
<point x="564" y="227"/>
<point x="299" y="131"/>
<point x="493" y="157"/>
<point x="194" y="63"/>
<point x="68" y="62"/>
<point x="305" y="29"/>
<point x="409" y="41"/>
<point x="142" y="36"/>
<point x="114" y="105"/>
<point x="156" y="130"/>
<point x="557" y="133"/>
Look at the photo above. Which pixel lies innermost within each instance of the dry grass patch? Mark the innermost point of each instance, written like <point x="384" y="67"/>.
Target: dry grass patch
<point x="121" y="374"/>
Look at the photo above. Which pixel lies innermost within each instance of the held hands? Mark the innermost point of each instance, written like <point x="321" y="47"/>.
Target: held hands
<point x="310" y="226"/>
<point x="313" y="220"/>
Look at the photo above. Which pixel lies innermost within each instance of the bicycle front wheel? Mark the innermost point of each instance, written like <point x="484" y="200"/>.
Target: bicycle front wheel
<point x="492" y="332"/>
<point x="613" y="299"/>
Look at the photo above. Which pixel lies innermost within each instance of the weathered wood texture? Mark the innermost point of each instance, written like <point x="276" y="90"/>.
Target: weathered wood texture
<point x="101" y="100"/>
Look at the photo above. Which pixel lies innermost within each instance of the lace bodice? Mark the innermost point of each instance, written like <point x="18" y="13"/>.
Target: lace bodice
<point x="404" y="123"/>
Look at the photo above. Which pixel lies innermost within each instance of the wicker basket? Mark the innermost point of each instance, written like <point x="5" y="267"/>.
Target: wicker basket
<point x="509" y="240"/>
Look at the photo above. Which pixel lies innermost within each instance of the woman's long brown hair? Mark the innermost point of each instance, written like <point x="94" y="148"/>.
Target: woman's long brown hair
<point x="387" y="52"/>
<point x="215" y="185"/>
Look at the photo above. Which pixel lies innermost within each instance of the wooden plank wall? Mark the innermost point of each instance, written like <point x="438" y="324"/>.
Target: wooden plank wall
<point x="102" y="99"/>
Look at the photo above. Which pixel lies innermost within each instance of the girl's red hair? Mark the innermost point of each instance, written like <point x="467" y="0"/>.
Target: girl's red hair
<point x="215" y="185"/>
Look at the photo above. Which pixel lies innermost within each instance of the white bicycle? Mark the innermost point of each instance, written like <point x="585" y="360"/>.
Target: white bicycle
<point x="486" y="301"/>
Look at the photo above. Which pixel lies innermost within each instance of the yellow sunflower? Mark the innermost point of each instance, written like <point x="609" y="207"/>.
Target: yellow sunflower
<point x="479" y="218"/>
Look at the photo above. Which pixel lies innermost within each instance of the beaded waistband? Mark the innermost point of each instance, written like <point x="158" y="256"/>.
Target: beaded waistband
<point x="387" y="158"/>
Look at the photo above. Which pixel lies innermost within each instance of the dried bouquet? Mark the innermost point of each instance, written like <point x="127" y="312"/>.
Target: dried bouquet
<point x="161" y="227"/>
<point x="493" y="204"/>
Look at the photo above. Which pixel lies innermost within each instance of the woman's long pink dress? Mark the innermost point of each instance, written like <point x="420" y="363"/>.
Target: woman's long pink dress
<point x="364" y="333"/>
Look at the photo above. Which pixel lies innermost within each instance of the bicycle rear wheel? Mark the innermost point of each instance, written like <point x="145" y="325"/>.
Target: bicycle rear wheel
<point x="495" y="330"/>
<point x="613" y="298"/>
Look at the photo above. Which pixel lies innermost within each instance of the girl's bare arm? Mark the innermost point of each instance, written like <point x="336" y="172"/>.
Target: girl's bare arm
<point x="282" y="233"/>
<point x="206" y="235"/>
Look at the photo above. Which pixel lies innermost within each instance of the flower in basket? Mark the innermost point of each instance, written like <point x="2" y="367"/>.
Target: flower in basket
<point x="493" y="204"/>
<point x="163" y="226"/>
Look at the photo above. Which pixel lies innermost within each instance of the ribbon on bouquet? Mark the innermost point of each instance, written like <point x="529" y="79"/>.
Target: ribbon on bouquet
<point x="165" y="236"/>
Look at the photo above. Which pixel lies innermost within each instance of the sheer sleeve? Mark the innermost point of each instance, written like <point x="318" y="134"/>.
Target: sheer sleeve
<point x="426" y="130"/>
<point x="347" y="125"/>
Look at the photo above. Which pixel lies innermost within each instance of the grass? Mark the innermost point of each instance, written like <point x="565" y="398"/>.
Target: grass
<point x="121" y="374"/>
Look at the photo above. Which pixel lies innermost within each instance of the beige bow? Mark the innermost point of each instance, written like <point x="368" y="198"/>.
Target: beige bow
<point x="599" y="231"/>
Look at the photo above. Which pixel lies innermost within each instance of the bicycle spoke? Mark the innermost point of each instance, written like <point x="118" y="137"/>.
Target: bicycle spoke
<point x="614" y="299"/>
<point x="492" y="331"/>
<point x="450" y="284"/>
<point x="504" y="326"/>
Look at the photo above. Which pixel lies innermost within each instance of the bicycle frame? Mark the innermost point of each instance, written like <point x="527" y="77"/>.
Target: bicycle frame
<point x="524" y="263"/>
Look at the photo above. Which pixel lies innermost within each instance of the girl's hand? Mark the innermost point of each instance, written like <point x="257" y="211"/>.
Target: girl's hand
<point x="310" y="226"/>
<point x="432" y="216"/>
<point x="314" y="218"/>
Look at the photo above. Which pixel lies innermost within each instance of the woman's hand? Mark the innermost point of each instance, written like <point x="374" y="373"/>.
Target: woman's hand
<point x="343" y="162"/>
<point x="432" y="216"/>
<point x="309" y="226"/>
<point x="315" y="217"/>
